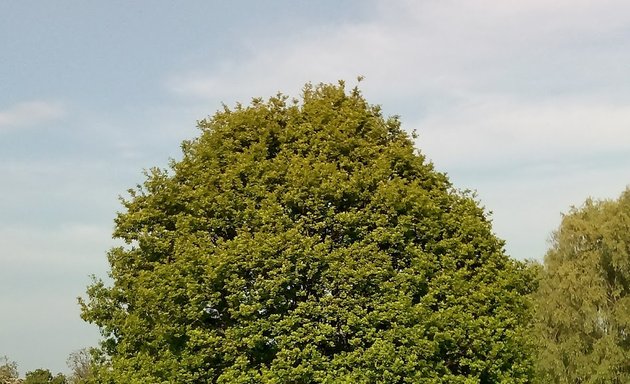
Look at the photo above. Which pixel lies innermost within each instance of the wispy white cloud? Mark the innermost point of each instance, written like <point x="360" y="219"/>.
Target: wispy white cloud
<point x="447" y="49"/>
<point x="72" y="245"/>
<point x="30" y="113"/>
<point x="482" y="82"/>
<point x="497" y="132"/>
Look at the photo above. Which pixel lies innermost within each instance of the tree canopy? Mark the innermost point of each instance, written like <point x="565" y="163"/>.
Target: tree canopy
<point x="583" y="304"/>
<point x="80" y="363"/>
<point x="307" y="241"/>
<point x="44" y="376"/>
<point x="8" y="371"/>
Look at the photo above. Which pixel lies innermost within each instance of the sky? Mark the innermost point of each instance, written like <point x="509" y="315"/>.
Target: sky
<point x="525" y="102"/>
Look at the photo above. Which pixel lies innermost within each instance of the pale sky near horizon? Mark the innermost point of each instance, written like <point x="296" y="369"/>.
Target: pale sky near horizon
<point x="526" y="102"/>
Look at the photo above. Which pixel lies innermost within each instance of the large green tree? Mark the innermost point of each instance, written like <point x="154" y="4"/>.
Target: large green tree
<point x="307" y="241"/>
<point x="583" y="304"/>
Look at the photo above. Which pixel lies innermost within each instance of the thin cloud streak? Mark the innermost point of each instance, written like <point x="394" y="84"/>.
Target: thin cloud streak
<point x="70" y="245"/>
<point x="29" y="114"/>
<point x="485" y="133"/>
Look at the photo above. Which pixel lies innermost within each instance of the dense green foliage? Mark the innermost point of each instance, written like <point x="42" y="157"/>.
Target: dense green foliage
<point x="44" y="376"/>
<point x="307" y="242"/>
<point x="583" y="304"/>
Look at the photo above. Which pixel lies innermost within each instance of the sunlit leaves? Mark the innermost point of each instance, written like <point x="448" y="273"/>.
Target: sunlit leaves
<point x="583" y="305"/>
<point x="305" y="242"/>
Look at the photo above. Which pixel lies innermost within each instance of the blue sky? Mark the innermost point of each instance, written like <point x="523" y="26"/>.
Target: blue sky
<point x="527" y="102"/>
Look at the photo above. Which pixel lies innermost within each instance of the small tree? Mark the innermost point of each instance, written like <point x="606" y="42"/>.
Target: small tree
<point x="583" y="304"/>
<point x="308" y="242"/>
<point x="44" y="376"/>
<point x="8" y="371"/>
<point x="80" y="364"/>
